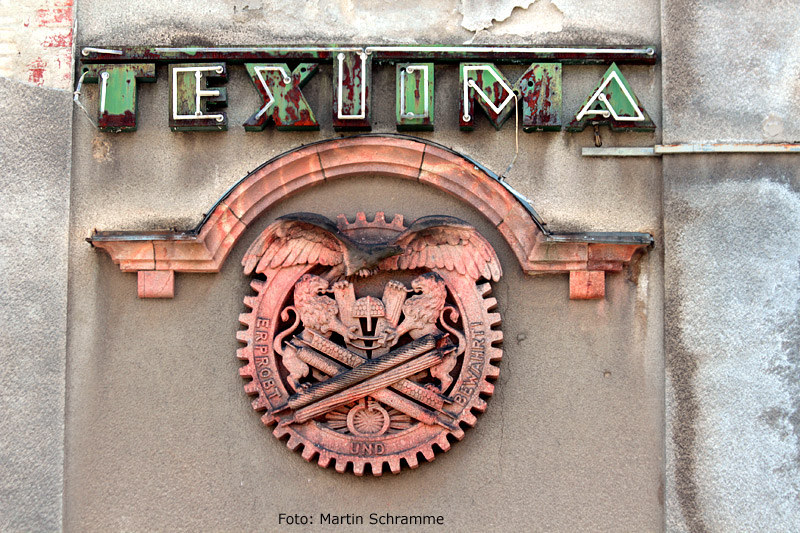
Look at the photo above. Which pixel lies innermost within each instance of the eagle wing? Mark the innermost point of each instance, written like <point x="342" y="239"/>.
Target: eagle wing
<point x="299" y="238"/>
<point x="445" y="242"/>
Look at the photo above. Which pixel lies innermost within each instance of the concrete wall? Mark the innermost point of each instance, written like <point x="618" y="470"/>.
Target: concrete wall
<point x="732" y="268"/>
<point x="33" y="259"/>
<point x="35" y="73"/>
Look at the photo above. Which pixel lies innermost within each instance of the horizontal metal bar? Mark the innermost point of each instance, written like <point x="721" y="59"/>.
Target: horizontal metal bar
<point x="618" y="151"/>
<point x="114" y="236"/>
<point x="389" y="54"/>
<point x="515" y="54"/>
<point x="690" y="148"/>
<point x="617" y="237"/>
<point x="686" y="148"/>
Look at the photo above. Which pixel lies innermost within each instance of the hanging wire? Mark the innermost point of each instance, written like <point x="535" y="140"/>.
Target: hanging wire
<point x="516" y="137"/>
<point x="76" y="98"/>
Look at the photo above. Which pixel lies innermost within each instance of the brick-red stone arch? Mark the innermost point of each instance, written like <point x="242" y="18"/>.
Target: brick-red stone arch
<point x="157" y="255"/>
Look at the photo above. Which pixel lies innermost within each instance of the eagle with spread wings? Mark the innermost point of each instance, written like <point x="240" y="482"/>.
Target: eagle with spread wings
<point x="436" y="241"/>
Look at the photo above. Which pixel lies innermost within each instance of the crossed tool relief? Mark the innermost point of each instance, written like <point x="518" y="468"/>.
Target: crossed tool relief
<point x="368" y="367"/>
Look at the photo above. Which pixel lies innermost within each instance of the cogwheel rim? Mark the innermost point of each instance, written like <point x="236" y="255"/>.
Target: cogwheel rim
<point x="312" y="452"/>
<point x="477" y="307"/>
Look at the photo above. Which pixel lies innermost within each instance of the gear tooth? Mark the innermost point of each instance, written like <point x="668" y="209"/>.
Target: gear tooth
<point x="377" y="467"/>
<point x="257" y="285"/>
<point x="427" y="451"/>
<point x="251" y="388"/>
<point x="259" y="404"/>
<point x="358" y="468"/>
<point x="248" y="370"/>
<point x="492" y="371"/>
<point x="484" y="289"/>
<point x="493" y="318"/>
<point x="340" y="465"/>
<point x="380" y="218"/>
<point x="308" y="453"/>
<point x="293" y="443"/>
<point x="479" y="406"/>
<point x="487" y="388"/>
<point x="246" y="319"/>
<point x="495" y="336"/>
<point x="394" y="464"/>
<point x="341" y="221"/>
<point x="361" y="217"/>
<point x="490" y="303"/>
<point x="243" y="336"/>
<point x="412" y="461"/>
<point x="443" y="443"/>
<point x="243" y="354"/>
<point x="458" y="433"/>
<point x="495" y="354"/>
<point x="469" y="419"/>
<point x="279" y="431"/>
<point x="250" y="301"/>
<point x="324" y="459"/>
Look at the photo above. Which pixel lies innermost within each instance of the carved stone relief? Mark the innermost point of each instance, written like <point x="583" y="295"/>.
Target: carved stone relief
<point x="369" y="342"/>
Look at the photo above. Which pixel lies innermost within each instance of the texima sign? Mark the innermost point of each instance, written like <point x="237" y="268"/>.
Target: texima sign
<point x="197" y="97"/>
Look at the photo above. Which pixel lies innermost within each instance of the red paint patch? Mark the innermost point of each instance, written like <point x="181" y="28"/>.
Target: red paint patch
<point x="36" y="71"/>
<point x="60" y="40"/>
<point x="46" y="17"/>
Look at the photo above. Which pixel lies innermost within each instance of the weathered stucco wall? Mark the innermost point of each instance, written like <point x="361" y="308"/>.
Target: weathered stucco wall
<point x="731" y="72"/>
<point x="732" y="270"/>
<point x="158" y="427"/>
<point x="733" y="224"/>
<point x="33" y="338"/>
<point x="35" y="73"/>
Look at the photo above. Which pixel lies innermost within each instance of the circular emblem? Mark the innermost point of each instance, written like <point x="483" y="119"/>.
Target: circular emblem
<point x="369" y="342"/>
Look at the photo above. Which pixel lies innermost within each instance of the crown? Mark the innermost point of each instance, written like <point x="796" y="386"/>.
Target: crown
<point x="377" y="223"/>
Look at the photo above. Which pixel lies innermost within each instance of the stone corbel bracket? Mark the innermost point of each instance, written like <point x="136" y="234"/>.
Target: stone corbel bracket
<point x="156" y="256"/>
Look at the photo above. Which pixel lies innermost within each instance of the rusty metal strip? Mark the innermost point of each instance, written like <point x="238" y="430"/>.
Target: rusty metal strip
<point x="619" y="237"/>
<point x="691" y="148"/>
<point x="351" y="95"/>
<point x="576" y="55"/>
<point x="704" y="148"/>
<point x="618" y="151"/>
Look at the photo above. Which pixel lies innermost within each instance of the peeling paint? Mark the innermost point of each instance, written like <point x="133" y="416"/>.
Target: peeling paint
<point x="480" y="15"/>
<point x="36" y="42"/>
<point x="772" y="127"/>
<point x="511" y="17"/>
<point x="101" y="149"/>
<point x="543" y="16"/>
